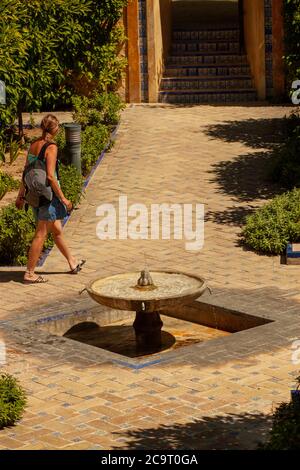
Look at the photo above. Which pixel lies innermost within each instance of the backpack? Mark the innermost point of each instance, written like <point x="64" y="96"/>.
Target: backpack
<point x="38" y="191"/>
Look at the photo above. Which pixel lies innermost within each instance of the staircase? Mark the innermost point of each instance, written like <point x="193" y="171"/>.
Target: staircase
<point x="206" y="66"/>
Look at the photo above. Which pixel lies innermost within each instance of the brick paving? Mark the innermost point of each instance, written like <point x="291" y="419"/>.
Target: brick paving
<point x="216" y="395"/>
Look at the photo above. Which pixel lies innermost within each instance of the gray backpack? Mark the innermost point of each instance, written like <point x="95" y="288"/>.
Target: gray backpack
<point x="38" y="191"/>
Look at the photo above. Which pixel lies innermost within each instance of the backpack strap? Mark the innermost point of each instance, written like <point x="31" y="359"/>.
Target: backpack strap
<point x="41" y="156"/>
<point x="42" y="152"/>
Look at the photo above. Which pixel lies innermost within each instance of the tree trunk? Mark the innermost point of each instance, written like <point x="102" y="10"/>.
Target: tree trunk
<point x="20" y="125"/>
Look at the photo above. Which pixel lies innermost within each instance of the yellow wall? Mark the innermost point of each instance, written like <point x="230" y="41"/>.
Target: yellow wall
<point x="159" y="30"/>
<point x="254" y="23"/>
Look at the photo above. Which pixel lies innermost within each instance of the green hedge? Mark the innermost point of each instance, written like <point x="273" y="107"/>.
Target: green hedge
<point x="285" y="433"/>
<point x="7" y="183"/>
<point x="272" y="226"/>
<point x="71" y="183"/>
<point x="94" y="139"/>
<point x="17" y="227"/>
<point x="12" y="400"/>
<point x="99" y="109"/>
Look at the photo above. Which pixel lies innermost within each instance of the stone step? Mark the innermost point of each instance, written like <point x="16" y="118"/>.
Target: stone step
<point x="211" y="83"/>
<point x="207" y="96"/>
<point x="207" y="59"/>
<point x="216" y="47"/>
<point x="207" y="70"/>
<point x="206" y="34"/>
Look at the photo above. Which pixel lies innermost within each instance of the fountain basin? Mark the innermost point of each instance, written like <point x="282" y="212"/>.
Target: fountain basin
<point x="171" y="288"/>
<point x="166" y="289"/>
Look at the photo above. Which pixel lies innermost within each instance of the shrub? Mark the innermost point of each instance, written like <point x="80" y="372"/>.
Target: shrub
<point x="7" y="183"/>
<point x="12" y="400"/>
<point x="110" y="105"/>
<point x="274" y="225"/>
<point x="101" y="108"/>
<point x="94" y="139"/>
<point x="71" y="183"/>
<point x="285" y="432"/>
<point x="17" y="229"/>
<point x="287" y="160"/>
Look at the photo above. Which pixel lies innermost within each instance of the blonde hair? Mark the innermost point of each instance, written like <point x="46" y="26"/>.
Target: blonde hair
<point x="49" y="125"/>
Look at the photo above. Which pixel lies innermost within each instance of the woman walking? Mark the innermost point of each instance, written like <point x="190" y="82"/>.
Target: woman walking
<point x="50" y="214"/>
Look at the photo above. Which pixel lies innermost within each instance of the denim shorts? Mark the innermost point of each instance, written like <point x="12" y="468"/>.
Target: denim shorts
<point x="51" y="212"/>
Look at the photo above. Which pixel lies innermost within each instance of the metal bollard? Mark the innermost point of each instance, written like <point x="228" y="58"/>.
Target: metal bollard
<point x="73" y="141"/>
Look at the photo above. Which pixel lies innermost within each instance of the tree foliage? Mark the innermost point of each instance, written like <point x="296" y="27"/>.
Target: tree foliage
<point x="292" y="39"/>
<point x="47" y="48"/>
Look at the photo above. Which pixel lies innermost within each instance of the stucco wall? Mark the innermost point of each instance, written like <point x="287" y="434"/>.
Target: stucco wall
<point x="159" y="30"/>
<point x="254" y="23"/>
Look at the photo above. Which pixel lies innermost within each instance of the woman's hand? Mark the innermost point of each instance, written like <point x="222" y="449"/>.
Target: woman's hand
<point x="67" y="203"/>
<point x="19" y="202"/>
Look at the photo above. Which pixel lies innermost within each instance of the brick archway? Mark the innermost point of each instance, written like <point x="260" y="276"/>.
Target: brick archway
<point x="148" y="46"/>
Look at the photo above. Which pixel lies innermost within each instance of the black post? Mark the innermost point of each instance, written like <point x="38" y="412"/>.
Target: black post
<point x="73" y="141"/>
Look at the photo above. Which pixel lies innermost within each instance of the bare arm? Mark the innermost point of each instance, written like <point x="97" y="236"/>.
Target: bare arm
<point x="21" y="193"/>
<point x="51" y="158"/>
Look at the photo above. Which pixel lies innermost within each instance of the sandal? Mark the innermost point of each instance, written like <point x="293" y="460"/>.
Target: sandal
<point x="78" y="268"/>
<point x="38" y="280"/>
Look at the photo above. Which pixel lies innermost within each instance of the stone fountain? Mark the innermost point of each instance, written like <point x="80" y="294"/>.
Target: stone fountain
<point x="147" y="294"/>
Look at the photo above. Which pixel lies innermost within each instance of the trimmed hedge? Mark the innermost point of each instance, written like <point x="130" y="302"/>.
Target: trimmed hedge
<point x="12" y="400"/>
<point x="17" y="229"/>
<point x="97" y="116"/>
<point x="274" y="225"/>
<point x="71" y="183"/>
<point x="94" y="140"/>
<point x="7" y="183"/>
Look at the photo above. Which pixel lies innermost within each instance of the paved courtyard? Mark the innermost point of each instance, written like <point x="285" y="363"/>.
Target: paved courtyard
<point x="214" y="395"/>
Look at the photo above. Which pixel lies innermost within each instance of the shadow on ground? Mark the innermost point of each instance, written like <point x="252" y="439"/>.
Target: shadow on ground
<point x="256" y="133"/>
<point x="247" y="177"/>
<point x="234" y="215"/>
<point x="17" y="274"/>
<point x="232" y="431"/>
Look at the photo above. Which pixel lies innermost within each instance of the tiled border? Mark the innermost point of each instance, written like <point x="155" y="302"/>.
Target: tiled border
<point x="22" y="329"/>
<point x="269" y="48"/>
<point x="143" y="50"/>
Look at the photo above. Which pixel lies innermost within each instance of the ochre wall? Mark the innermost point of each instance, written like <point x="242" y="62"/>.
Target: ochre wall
<point x="278" y="48"/>
<point x="133" y="80"/>
<point x="159" y="30"/>
<point x="254" y="24"/>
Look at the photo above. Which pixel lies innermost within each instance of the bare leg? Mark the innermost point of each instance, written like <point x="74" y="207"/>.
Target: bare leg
<point x="56" y="229"/>
<point x="36" y="249"/>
